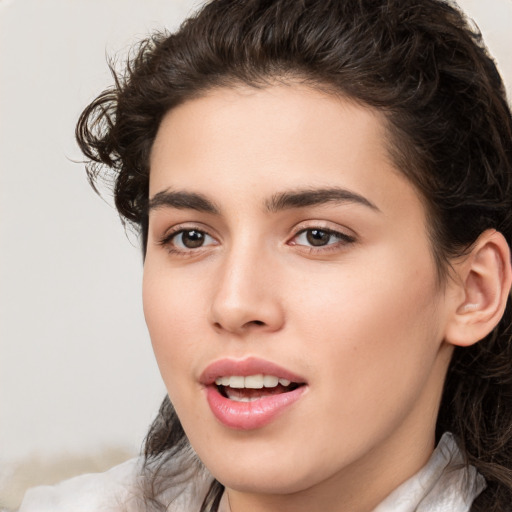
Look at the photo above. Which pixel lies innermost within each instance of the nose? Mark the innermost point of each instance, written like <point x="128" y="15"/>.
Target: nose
<point x="246" y="295"/>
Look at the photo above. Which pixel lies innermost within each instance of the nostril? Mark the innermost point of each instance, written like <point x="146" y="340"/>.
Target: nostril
<point x="247" y="325"/>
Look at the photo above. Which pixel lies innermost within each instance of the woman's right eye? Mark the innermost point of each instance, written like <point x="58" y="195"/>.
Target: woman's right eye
<point x="187" y="239"/>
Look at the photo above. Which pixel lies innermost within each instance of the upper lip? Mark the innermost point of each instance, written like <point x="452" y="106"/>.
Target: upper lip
<point x="244" y="367"/>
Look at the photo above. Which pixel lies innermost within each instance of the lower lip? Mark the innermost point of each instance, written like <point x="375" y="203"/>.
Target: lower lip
<point x="250" y="415"/>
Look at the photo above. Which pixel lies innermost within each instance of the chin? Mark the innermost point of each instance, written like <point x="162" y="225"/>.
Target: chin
<point x="263" y="482"/>
<point x="260" y="471"/>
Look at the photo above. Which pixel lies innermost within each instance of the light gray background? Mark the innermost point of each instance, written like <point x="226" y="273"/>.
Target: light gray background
<point x="76" y="368"/>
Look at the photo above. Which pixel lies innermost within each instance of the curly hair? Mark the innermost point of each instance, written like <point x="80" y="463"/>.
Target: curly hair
<point x="426" y="69"/>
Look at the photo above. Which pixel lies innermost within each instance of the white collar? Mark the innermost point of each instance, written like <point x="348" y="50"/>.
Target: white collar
<point x="445" y="483"/>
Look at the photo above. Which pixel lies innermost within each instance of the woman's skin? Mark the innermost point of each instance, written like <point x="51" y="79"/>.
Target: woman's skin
<point x="281" y="230"/>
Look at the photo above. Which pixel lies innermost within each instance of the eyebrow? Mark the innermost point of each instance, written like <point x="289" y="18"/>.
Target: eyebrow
<point x="278" y="202"/>
<point x="182" y="201"/>
<point x="315" y="197"/>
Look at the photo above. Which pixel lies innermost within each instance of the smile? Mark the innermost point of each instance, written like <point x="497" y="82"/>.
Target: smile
<point x="251" y="381"/>
<point x="249" y="394"/>
<point x="253" y="387"/>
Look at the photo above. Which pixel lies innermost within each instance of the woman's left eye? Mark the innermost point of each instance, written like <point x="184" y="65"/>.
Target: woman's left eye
<point x="316" y="237"/>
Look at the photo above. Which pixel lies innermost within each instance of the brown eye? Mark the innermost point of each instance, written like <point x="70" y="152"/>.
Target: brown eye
<point x="318" y="237"/>
<point x="191" y="239"/>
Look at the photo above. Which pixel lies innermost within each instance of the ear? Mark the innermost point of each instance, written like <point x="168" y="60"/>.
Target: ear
<point x="483" y="284"/>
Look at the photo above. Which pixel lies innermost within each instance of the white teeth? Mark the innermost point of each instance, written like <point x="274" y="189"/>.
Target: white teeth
<point x="254" y="381"/>
<point x="251" y="381"/>
<point x="236" y="382"/>
<point x="243" y="399"/>
<point x="269" y="381"/>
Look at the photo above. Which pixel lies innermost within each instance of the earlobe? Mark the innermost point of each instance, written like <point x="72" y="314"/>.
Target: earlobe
<point x="485" y="277"/>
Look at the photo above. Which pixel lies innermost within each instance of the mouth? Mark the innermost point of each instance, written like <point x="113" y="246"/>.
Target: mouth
<point x="253" y="387"/>
<point x="248" y="394"/>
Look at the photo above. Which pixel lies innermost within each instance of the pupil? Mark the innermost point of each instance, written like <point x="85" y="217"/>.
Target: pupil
<point x="318" y="237"/>
<point x="192" y="239"/>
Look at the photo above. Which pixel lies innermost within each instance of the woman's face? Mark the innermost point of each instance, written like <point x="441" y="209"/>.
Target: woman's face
<point x="284" y="246"/>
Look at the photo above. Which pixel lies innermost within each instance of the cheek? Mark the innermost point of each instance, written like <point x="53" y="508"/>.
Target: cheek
<point x="375" y="331"/>
<point x="172" y="312"/>
<point x="361" y="301"/>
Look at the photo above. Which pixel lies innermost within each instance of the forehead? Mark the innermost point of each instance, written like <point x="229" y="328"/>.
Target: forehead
<point x="247" y="142"/>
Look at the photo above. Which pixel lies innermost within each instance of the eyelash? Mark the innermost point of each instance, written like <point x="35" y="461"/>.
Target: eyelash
<point x="343" y="240"/>
<point x="168" y="238"/>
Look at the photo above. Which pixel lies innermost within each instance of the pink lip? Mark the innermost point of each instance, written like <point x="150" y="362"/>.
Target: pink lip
<point x="248" y="415"/>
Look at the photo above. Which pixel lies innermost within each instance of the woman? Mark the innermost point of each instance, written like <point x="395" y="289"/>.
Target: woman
<point x="324" y="195"/>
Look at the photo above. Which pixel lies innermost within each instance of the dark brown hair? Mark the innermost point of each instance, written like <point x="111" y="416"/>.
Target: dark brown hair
<point x="450" y="132"/>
